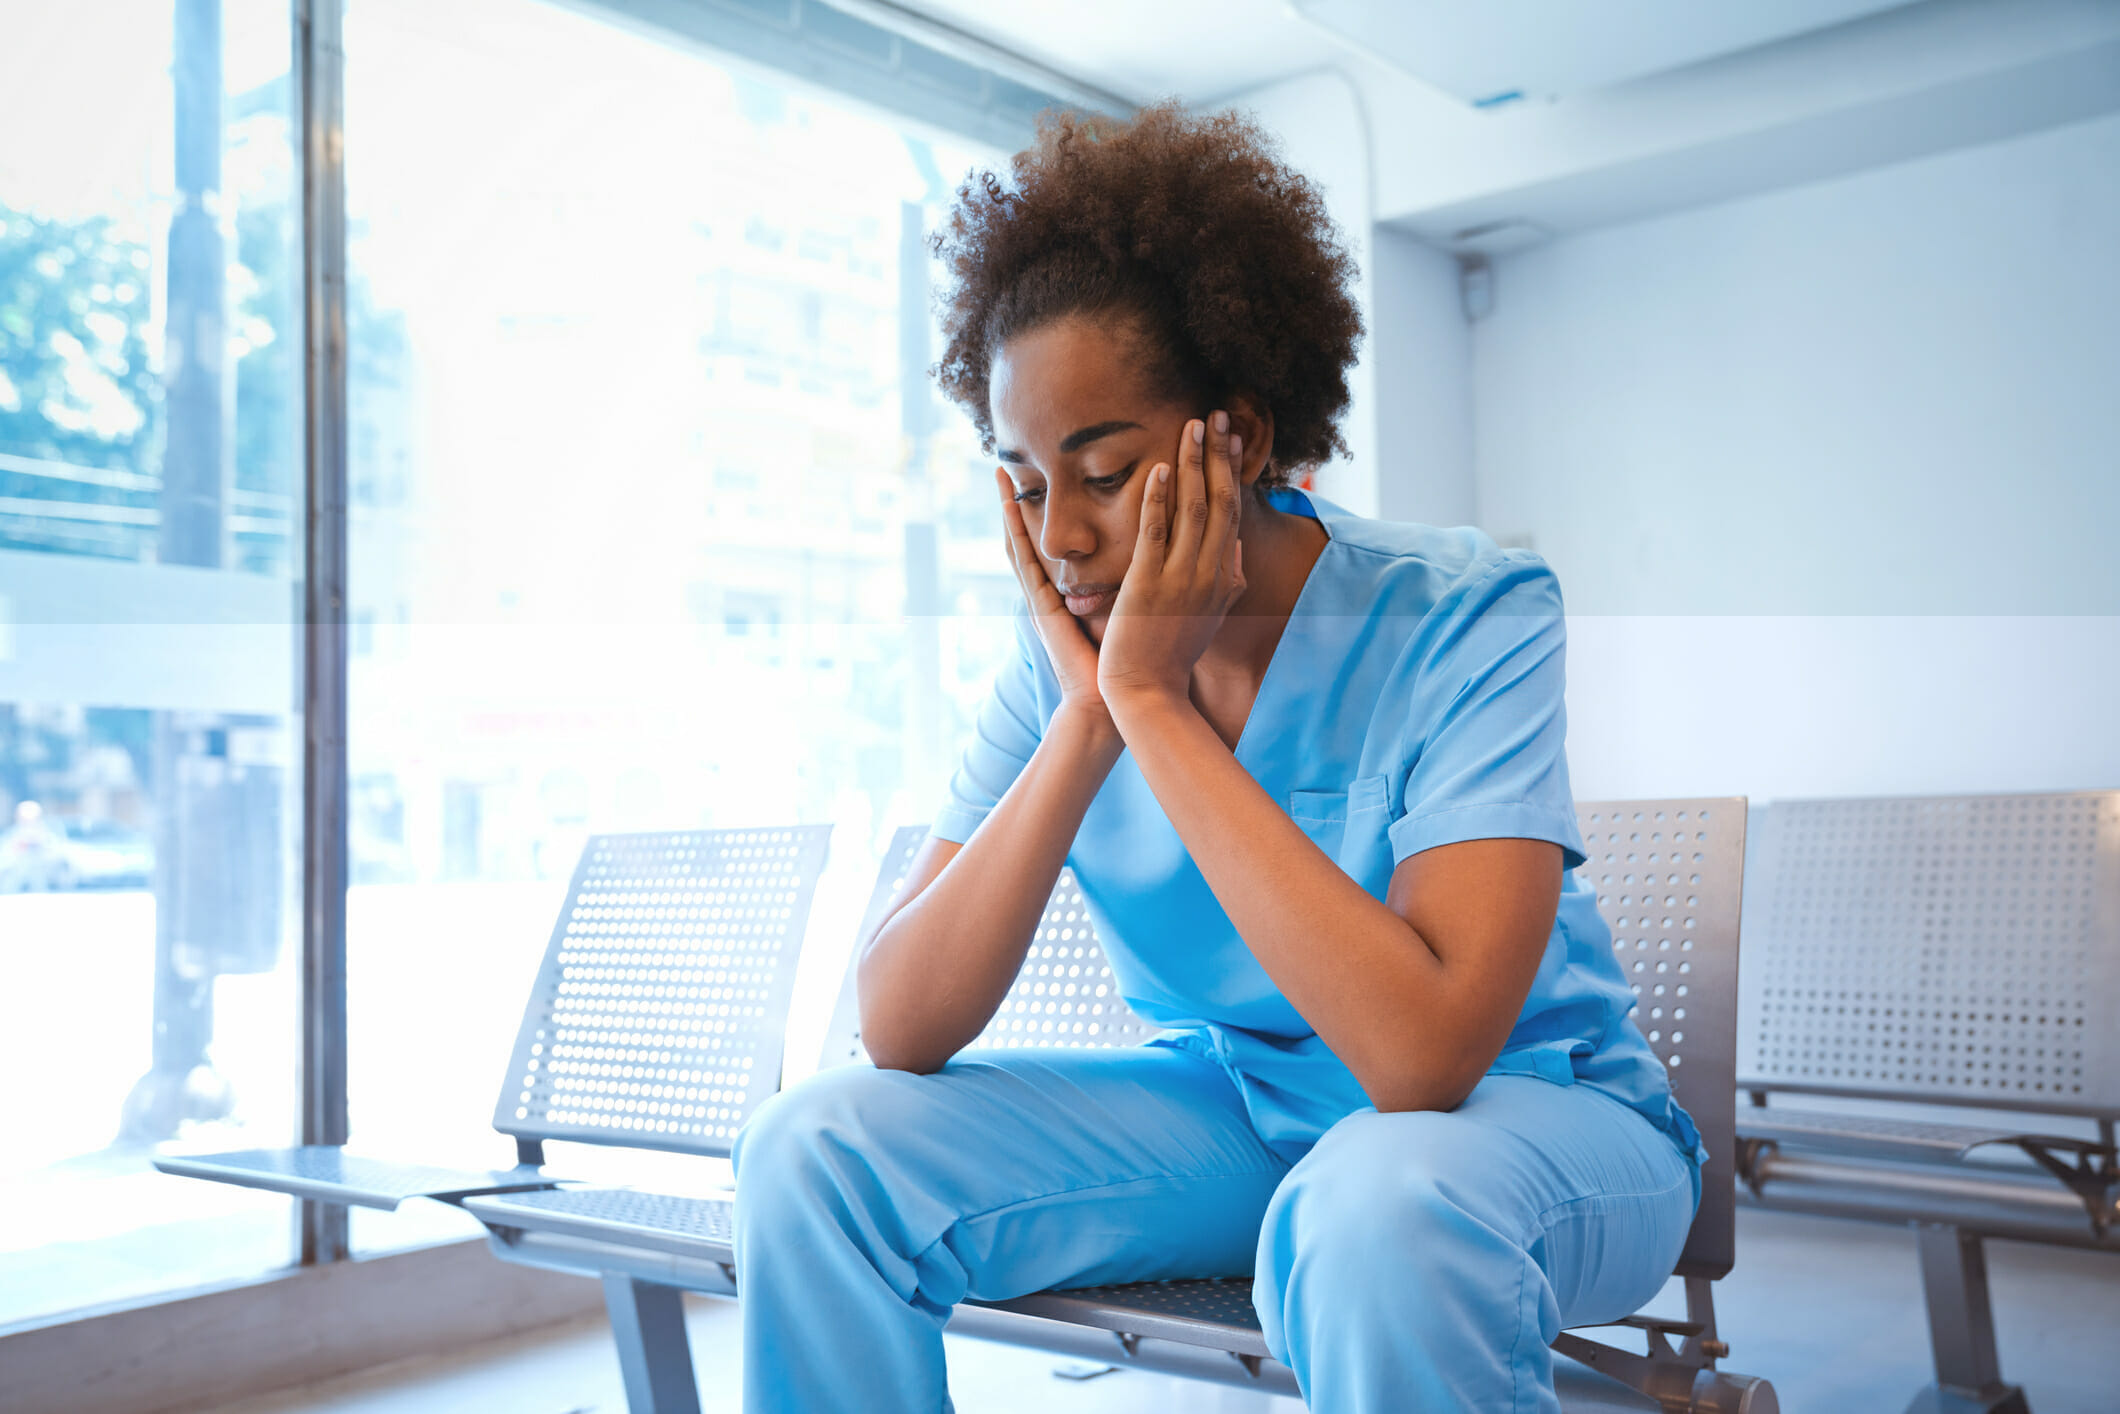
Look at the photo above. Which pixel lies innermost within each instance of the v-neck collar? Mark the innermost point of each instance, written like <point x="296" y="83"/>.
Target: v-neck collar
<point x="1286" y="498"/>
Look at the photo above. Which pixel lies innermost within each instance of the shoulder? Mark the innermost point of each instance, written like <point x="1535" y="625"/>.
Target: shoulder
<point x="1403" y="568"/>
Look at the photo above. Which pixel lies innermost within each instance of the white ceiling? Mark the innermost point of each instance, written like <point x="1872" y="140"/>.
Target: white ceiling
<point x="1501" y="49"/>
<point x="1654" y="111"/>
<point x="1144" y="50"/>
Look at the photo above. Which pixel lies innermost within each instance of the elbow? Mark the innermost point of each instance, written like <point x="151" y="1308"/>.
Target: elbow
<point x="912" y="1060"/>
<point x="1403" y="1088"/>
<point x="892" y="1045"/>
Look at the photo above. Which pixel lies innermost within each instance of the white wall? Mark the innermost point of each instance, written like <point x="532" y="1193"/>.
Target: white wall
<point x="1831" y="477"/>
<point x="1421" y="350"/>
<point x="1324" y="134"/>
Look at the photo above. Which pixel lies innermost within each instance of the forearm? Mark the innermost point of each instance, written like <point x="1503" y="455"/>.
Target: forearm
<point x="936" y="971"/>
<point x="1377" y="994"/>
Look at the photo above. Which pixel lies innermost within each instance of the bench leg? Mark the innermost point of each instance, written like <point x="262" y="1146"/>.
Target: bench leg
<point x="1961" y="1327"/>
<point x="654" y="1354"/>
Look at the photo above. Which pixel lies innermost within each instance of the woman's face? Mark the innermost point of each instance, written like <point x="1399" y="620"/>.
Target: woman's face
<point x="1078" y="433"/>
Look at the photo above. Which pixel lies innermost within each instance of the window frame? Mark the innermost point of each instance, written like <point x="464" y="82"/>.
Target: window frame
<point x="867" y="51"/>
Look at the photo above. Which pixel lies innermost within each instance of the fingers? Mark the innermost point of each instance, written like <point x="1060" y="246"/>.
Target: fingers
<point x="1207" y="501"/>
<point x="1188" y="497"/>
<point x="1225" y="500"/>
<point x="1031" y="578"/>
<point x="1153" y="538"/>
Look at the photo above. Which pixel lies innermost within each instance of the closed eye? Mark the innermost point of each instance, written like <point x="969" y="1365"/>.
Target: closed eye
<point x="1032" y="495"/>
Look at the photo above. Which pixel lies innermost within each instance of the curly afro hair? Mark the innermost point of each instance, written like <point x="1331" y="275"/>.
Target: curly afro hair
<point x="1192" y="227"/>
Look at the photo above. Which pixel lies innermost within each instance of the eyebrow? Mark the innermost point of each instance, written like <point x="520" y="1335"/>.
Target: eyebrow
<point x="1074" y="441"/>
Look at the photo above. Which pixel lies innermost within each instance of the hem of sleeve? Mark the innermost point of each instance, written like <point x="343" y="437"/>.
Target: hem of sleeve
<point x="1500" y="820"/>
<point x="956" y="824"/>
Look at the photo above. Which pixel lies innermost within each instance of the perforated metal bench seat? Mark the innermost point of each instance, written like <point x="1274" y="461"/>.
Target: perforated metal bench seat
<point x="1212" y="1313"/>
<point x="1870" y="1136"/>
<point x="1955" y="951"/>
<point x="645" y="1244"/>
<point x="663" y="1222"/>
<point x="1215" y="1314"/>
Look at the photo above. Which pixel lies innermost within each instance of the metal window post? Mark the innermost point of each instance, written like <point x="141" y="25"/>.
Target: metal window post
<point x="319" y="62"/>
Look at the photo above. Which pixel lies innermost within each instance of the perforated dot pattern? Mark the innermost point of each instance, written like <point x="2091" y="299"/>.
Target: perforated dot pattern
<point x="1223" y="1301"/>
<point x="1066" y="994"/>
<point x="704" y="1218"/>
<point x="1669" y="876"/>
<point x="659" y="1013"/>
<point x="1961" y="948"/>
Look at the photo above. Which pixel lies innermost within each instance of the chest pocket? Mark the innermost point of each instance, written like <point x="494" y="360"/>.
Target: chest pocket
<point x="1349" y="825"/>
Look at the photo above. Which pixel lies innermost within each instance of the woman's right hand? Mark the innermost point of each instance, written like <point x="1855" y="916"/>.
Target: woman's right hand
<point x="1067" y="644"/>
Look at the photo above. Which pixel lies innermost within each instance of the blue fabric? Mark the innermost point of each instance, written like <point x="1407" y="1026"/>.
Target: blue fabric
<point x="1414" y="700"/>
<point x="1412" y="1261"/>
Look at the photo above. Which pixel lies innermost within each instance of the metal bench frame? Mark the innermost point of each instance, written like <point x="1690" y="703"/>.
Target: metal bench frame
<point x="1668" y="877"/>
<point x="1946" y="950"/>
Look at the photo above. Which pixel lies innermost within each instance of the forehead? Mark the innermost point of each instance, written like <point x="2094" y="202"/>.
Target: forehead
<point x="1062" y="376"/>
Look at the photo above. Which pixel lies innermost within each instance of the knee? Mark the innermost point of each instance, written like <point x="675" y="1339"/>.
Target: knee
<point x="1382" y="1194"/>
<point x="800" y="1145"/>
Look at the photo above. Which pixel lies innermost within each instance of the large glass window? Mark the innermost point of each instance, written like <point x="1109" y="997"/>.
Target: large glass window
<point x="657" y="520"/>
<point x="149" y="728"/>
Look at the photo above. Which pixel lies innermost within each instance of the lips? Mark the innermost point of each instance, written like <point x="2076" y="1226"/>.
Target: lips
<point x="1086" y="599"/>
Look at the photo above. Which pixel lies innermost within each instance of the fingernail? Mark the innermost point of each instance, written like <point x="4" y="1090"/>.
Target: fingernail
<point x="1221" y="422"/>
<point x="1199" y="433"/>
<point x="1236" y="447"/>
<point x="1162" y="472"/>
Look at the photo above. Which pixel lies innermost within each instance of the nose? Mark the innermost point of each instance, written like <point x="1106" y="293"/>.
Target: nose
<point x="1066" y="533"/>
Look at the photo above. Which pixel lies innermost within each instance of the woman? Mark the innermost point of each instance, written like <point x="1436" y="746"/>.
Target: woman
<point x="1308" y="770"/>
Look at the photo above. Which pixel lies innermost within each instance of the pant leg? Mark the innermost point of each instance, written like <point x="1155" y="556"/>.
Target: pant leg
<point x="1424" y="1261"/>
<point x="869" y="1202"/>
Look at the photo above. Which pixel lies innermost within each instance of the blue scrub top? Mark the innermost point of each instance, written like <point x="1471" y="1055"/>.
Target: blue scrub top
<point x="1414" y="700"/>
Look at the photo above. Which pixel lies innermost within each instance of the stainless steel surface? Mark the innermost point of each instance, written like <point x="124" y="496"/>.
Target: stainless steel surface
<point x="1065" y="994"/>
<point x="331" y="1177"/>
<point x="319" y="65"/>
<point x="654" y="1352"/>
<point x="566" y="1252"/>
<point x="659" y="1014"/>
<point x="2031" y="1208"/>
<point x="1956" y="949"/>
<point x="1216" y="1314"/>
<point x="1873" y="1137"/>
<point x="1961" y="1321"/>
<point x="1669" y="878"/>
<point x="662" y="1222"/>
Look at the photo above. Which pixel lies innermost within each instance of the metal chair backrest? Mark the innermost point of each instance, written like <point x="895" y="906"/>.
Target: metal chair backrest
<point x="1064" y="996"/>
<point x="1961" y="950"/>
<point x="661" y="1008"/>
<point x="1669" y="877"/>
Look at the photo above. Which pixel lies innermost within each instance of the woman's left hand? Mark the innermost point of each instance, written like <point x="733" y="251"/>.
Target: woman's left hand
<point x="1187" y="571"/>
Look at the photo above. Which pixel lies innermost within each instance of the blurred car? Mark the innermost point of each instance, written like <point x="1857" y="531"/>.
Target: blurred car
<point x="39" y="852"/>
<point x="99" y="854"/>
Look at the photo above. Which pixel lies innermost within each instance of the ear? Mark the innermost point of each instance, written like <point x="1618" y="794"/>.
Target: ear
<point x="1251" y="419"/>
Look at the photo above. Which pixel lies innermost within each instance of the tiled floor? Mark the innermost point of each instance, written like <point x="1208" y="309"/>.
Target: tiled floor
<point x="1829" y="1310"/>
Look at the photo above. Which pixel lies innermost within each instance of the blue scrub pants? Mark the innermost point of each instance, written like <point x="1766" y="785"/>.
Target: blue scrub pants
<point x="1408" y="1262"/>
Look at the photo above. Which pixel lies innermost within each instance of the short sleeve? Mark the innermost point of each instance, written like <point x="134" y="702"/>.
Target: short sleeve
<point x="1008" y="729"/>
<point x="1488" y="717"/>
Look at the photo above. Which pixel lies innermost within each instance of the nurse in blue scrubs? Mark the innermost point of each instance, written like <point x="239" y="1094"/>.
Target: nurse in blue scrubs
<point x="1309" y="771"/>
